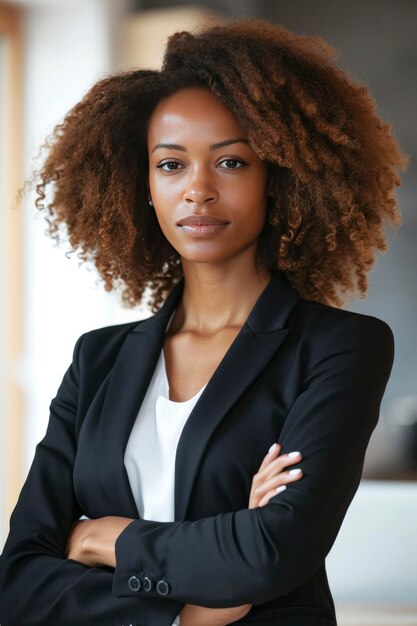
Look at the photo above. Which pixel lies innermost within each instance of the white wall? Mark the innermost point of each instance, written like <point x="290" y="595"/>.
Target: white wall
<point x="374" y="557"/>
<point x="68" y="47"/>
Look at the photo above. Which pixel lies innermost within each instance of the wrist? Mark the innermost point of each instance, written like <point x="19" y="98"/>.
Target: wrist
<point x="89" y="551"/>
<point x="95" y="550"/>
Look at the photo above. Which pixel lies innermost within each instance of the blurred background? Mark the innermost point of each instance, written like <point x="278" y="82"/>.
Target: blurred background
<point x="51" y="52"/>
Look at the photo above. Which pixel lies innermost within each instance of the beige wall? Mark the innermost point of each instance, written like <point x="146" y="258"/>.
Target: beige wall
<point x="145" y="33"/>
<point x="12" y="401"/>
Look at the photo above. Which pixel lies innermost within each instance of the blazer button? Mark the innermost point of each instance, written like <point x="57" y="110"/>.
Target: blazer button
<point x="147" y="583"/>
<point x="163" y="587"/>
<point x="134" y="583"/>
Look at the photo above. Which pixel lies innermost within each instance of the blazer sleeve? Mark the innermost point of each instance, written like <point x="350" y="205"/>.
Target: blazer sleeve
<point x="256" y="555"/>
<point x="38" y="585"/>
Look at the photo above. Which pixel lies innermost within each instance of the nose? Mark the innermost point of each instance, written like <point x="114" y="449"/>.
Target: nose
<point x="199" y="192"/>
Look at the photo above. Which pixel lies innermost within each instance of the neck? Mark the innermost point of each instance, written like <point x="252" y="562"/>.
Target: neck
<point x="214" y="300"/>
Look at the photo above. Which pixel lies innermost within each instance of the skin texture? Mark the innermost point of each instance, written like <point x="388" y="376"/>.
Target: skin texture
<point x="229" y="182"/>
<point x="92" y="542"/>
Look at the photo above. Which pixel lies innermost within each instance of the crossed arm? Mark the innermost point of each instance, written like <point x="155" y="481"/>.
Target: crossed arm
<point x="92" y="542"/>
<point x="284" y="542"/>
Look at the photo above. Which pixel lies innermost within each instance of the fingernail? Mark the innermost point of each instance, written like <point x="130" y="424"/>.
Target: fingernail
<point x="293" y="454"/>
<point x="274" y="445"/>
<point x="295" y="471"/>
<point x="279" y="489"/>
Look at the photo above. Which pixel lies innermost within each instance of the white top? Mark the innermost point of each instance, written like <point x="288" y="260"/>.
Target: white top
<point x="150" y="452"/>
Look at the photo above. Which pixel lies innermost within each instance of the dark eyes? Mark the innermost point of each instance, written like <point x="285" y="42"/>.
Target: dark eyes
<point x="231" y="163"/>
<point x="162" y="166"/>
<point x="228" y="161"/>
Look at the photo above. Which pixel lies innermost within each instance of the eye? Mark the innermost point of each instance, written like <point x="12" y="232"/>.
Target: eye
<point x="162" y="165"/>
<point x="232" y="161"/>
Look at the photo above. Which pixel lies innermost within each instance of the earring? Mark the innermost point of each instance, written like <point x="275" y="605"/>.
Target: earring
<point x="150" y="202"/>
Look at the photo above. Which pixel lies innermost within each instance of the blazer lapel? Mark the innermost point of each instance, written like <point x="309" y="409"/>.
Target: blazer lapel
<point x="255" y="345"/>
<point x="128" y="383"/>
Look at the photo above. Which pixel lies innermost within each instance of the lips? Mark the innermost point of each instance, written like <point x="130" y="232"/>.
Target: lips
<point x="200" y="220"/>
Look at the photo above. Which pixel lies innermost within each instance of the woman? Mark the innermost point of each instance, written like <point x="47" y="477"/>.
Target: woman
<point x="247" y="181"/>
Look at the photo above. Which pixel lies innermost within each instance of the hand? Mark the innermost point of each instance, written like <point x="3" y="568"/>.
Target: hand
<point x="92" y="542"/>
<point x="194" y="615"/>
<point x="271" y="475"/>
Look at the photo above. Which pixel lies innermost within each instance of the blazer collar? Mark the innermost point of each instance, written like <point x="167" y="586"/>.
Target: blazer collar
<point x="255" y="345"/>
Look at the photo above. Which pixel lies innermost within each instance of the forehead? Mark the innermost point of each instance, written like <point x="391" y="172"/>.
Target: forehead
<point x="190" y="110"/>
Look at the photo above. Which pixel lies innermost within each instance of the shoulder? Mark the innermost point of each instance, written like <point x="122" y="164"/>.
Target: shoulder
<point x="108" y="332"/>
<point x="325" y="328"/>
<point x="317" y="317"/>
<point x="100" y="344"/>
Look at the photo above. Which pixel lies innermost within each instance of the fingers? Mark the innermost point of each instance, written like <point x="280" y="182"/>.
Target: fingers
<point x="278" y="464"/>
<point x="277" y="481"/>
<point x="266" y="498"/>
<point x="273" y="463"/>
<point x="273" y="475"/>
<point x="273" y="452"/>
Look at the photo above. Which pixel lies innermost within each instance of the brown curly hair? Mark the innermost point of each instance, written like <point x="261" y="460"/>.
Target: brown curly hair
<point x="331" y="161"/>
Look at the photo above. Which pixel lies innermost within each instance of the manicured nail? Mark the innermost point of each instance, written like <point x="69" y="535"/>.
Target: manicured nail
<point x="293" y="454"/>
<point x="274" y="445"/>
<point x="279" y="489"/>
<point x="295" y="471"/>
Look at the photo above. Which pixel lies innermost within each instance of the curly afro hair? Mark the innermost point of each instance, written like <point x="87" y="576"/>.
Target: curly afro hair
<point x="333" y="164"/>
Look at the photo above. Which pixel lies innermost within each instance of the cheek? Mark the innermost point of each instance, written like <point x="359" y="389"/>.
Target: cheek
<point x="166" y="192"/>
<point x="163" y="216"/>
<point x="154" y="184"/>
<point x="249" y="201"/>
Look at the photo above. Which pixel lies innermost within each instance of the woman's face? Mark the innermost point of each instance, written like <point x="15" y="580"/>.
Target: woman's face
<point x="201" y="165"/>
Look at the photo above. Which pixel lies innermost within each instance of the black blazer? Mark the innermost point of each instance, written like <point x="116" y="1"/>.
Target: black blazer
<point x="301" y="373"/>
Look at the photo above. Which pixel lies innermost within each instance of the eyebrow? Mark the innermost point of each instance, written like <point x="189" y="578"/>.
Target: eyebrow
<point x="214" y="146"/>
